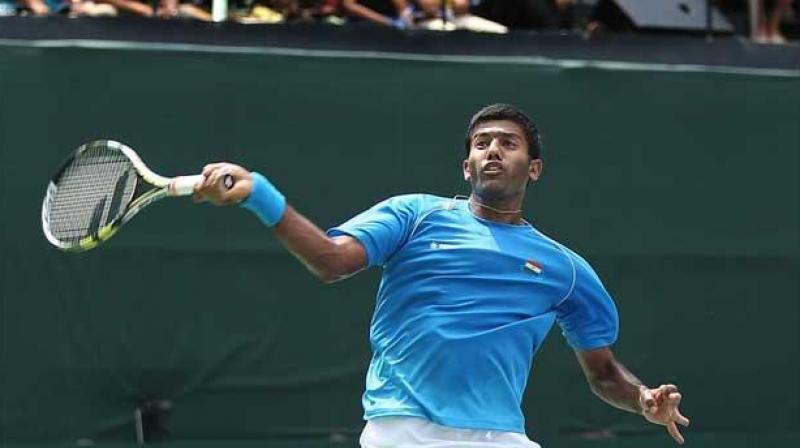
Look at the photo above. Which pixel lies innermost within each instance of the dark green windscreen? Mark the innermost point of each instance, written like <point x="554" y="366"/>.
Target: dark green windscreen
<point x="681" y="189"/>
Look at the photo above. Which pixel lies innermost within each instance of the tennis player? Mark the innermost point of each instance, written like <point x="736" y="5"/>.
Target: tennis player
<point x="469" y="292"/>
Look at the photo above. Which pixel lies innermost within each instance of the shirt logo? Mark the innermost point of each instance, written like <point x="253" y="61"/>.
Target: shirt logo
<point x="435" y="245"/>
<point x="534" y="267"/>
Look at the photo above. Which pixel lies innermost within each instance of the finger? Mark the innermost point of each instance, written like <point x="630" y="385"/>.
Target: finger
<point x="668" y="388"/>
<point x="210" y="167"/>
<point x="673" y="431"/>
<point x="680" y="418"/>
<point x="663" y="392"/>
<point x="665" y="389"/>
<point x="216" y="180"/>
<point x="211" y="176"/>
<point x="198" y="197"/>
<point x="673" y="400"/>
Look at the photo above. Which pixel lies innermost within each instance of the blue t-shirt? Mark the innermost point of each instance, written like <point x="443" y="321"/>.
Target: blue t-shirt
<point x="463" y="306"/>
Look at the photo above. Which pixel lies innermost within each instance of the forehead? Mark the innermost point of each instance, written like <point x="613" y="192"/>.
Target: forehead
<point x="498" y="127"/>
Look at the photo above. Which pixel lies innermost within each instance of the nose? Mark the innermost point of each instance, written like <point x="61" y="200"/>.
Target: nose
<point x="493" y="152"/>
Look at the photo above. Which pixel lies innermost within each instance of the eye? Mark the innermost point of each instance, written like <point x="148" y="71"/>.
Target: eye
<point x="481" y="144"/>
<point x="510" y="143"/>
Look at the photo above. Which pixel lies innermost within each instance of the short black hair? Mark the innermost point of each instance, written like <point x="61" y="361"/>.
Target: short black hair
<point x="508" y="112"/>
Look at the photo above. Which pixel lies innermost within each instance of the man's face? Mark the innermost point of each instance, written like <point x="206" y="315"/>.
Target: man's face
<point x="498" y="166"/>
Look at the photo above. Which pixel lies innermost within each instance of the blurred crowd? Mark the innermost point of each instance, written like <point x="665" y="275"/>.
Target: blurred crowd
<point x="497" y="16"/>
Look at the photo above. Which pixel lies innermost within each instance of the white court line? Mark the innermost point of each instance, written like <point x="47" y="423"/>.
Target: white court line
<point x="385" y="55"/>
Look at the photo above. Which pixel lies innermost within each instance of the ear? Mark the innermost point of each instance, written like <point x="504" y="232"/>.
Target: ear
<point x="535" y="170"/>
<point x="465" y="167"/>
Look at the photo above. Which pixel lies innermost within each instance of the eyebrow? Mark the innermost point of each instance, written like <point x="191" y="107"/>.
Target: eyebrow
<point x="496" y="133"/>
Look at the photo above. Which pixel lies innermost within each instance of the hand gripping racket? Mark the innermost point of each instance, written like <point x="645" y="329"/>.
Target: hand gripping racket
<point x="100" y="187"/>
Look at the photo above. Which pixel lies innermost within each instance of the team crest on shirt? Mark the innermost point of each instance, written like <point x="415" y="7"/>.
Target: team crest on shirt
<point x="534" y="267"/>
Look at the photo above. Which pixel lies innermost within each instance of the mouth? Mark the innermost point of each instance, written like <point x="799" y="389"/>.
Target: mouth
<point x="492" y="168"/>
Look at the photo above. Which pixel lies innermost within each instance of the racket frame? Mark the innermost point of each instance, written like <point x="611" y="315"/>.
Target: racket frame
<point x="163" y="187"/>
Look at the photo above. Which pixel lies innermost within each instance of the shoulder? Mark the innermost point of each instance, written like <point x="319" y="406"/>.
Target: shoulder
<point x="577" y="258"/>
<point x="416" y="202"/>
<point x="579" y="262"/>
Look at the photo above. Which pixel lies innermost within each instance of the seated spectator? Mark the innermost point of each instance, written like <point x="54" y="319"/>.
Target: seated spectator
<point x="166" y="9"/>
<point x="319" y="10"/>
<point x="770" y="14"/>
<point x="185" y="9"/>
<point x="131" y="7"/>
<point x="36" y="7"/>
<point x="293" y="11"/>
<point x="262" y="14"/>
<point x="427" y="14"/>
<point x="88" y="8"/>
<point x="280" y="11"/>
<point x="454" y="15"/>
<point x="395" y="13"/>
<point x="432" y="9"/>
<point x="287" y="10"/>
<point x="194" y="11"/>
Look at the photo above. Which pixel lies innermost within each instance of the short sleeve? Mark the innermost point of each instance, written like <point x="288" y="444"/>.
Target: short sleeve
<point x="588" y="316"/>
<point x="384" y="228"/>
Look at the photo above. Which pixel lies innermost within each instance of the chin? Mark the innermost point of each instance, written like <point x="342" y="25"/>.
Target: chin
<point x="491" y="190"/>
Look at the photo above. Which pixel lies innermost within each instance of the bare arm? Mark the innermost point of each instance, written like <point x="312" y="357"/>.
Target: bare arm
<point x="329" y="258"/>
<point x="38" y="7"/>
<point x="357" y="9"/>
<point x="132" y="6"/>
<point x="617" y="386"/>
<point x="610" y="380"/>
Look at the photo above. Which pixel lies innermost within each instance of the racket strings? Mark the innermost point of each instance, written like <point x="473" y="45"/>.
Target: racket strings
<point x="92" y="191"/>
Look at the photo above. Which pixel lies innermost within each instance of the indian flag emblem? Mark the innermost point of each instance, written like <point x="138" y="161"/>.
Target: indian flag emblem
<point x="533" y="266"/>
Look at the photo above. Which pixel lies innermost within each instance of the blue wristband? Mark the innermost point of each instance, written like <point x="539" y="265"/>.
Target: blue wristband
<point x="265" y="201"/>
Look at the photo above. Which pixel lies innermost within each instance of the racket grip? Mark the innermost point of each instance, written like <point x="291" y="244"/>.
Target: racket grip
<point x="183" y="185"/>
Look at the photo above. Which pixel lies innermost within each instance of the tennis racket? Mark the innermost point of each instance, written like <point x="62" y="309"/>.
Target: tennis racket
<point x="100" y="187"/>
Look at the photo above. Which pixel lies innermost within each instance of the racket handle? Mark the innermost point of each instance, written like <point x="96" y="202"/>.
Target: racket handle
<point x="183" y="185"/>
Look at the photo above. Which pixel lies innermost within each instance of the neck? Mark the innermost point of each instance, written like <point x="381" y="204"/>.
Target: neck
<point x="503" y="211"/>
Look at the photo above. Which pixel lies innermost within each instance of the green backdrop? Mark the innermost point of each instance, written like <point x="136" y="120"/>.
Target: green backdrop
<point x="682" y="189"/>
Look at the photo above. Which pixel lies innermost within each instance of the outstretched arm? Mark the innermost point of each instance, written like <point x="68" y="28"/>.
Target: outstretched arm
<point x="617" y="386"/>
<point x="330" y="259"/>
